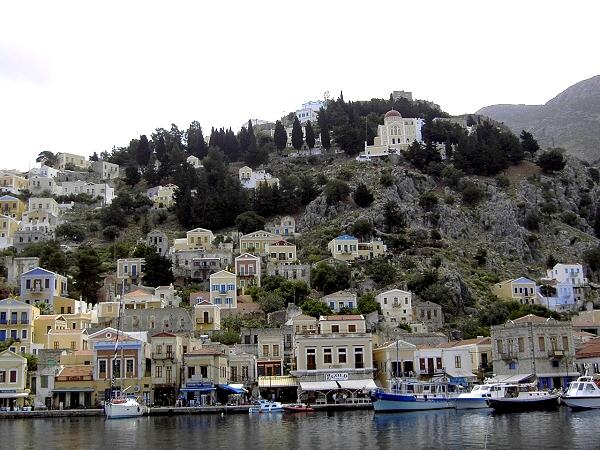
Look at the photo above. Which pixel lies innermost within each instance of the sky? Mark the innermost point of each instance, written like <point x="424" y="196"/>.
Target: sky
<point x="87" y="76"/>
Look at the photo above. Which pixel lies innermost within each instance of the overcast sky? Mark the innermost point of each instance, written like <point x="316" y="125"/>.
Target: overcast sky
<point x="82" y="78"/>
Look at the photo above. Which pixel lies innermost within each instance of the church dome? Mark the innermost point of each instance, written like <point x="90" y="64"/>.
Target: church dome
<point x="392" y="113"/>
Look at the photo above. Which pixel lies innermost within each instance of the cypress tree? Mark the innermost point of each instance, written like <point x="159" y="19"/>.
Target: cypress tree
<point x="280" y="136"/>
<point x="142" y="153"/>
<point x="324" y="126"/>
<point x="297" y="138"/>
<point x="310" y="135"/>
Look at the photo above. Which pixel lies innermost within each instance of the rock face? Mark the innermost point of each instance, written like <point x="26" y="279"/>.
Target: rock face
<point x="570" y="120"/>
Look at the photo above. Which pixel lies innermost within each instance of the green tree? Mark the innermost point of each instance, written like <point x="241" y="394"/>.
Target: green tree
<point x="111" y="232"/>
<point x="44" y="307"/>
<point x="362" y="228"/>
<point x="393" y="217"/>
<point x="86" y="276"/>
<point x="330" y="278"/>
<point x="552" y="161"/>
<point x="270" y="302"/>
<point x="70" y="231"/>
<point x="50" y="254"/>
<point x="315" y="308"/>
<point x="528" y="143"/>
<point x="336" y="191"/>
<point x="428" y="200"/>
<point x="362" y="196"/>
<point x="157" y="270"/>
<point x="367" y="303"/>
<point x="132" y="175"/>
<point x="195" y="140"/>
<point x="381" y="271"/>
<point x="324" y="127"/>
<point x="297" y="138"/>
<point x="310" y="135"/>
<point x="472" y="194"/>
<point x="280" y="136"/>
<point x="47" y="158"/>
<point x="248" y="222"/>
<point x="143" y="152"/>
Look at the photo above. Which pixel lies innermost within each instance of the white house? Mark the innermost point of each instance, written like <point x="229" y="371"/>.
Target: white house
<point x="340" y="300"/>
<point x="309" y="111"/>
<point x="396" y="306"/>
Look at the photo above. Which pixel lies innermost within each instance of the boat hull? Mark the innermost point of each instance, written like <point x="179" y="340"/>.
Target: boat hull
<point x="519" y="405"/>
<point x="123" y="411"/>
<point x="470" y="403"/>
<point x="393" y="402"/>
<point x="581" y="402"/>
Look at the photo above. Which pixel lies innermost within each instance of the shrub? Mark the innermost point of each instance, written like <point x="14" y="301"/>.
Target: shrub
<point x="472" y="194"/>
<point x="502" y="181"/>
<point x="532" y="221"/>
<point x="387" y="178"/>
<point x="570" y="218"/>
<point x="450" y="199"/>
<point x="336" y="191"/>
<point x="428" y="200"/>
<point x="594" y="174"/>
<point x="435" y="235"/>
<point x="362" y="196"/>
<point x="345" y="173"/>
<point x="548" y="208"/>
<point x="552" y="161"/>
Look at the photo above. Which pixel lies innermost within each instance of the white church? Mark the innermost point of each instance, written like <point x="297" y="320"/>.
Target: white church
<point x="396" y="134"/>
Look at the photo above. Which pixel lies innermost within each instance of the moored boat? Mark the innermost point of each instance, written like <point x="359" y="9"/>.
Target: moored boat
<point x="120" y="408"/>
<point x="413" y="396"/>
<point x="265" y="406"/>
<point x="295" y="408"/>
<point x="519" y="398"/>
<point x="582" y="394"/>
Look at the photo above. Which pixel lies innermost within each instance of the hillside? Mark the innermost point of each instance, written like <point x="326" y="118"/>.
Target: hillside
<point x="570" y="120"/>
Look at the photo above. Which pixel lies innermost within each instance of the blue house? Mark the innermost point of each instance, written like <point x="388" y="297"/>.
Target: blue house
<point x="41" y="285"/>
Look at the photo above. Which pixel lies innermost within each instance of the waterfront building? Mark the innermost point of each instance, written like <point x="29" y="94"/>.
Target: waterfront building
<point x="13" y="380"/>
<point x="394" y="360"/>
<point x="563" y="288"/>
<point x="16" y="325"/>
<point x="267" y="344"/>
<point x="396" y="306"/>
<point x="223" y="289"/>
<point x="41" y="285"/>
<point x="42" y="381"/>
<point x="204" y="370"/>
<point x="335" y="361"/>
<point x="522" y="290"/>
<point x="167" y="360"/>
<point x="70" y="339"/>
<point x="587" y="358"/>
<point x="242" y="366"/>
<point x="340" y="300"/>
<point x="452" y="362"/>
<point x="480" y="350"/>
<point x="534" y="346"/>
<point x="74" y="388"/>
<point x="588" y="321"/>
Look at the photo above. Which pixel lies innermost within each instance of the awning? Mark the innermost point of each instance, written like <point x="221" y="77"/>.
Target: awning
<point x="74" y="389"/>
<point x="367" y="384"/>
<point x="460" y="373"/>
<point x="510" y="378"/>
<point x="559" y="374"/>
<point x="232" y="389"/>
<point x="318" y="385"/>
<point x="13" y="394"/>
<point x="198" y="389"/>
<point x="277" y="381"/>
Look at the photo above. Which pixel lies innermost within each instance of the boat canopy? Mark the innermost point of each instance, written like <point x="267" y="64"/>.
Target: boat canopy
<point x="510" y="378"/>
<point x="232" y="389"/>
<point x="461" y="373"/>
<point x="367" y="384"/>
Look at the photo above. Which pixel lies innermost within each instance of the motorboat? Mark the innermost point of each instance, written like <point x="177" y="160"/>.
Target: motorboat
<point x="477" y="398"/>
<point x="120" y="408"/>
<point x="409" y="395"/>
<point x="582" y="394"/>
<point x="265" y="406"/>
<point x="297" y="408"/>
<point x="522" y="397"/>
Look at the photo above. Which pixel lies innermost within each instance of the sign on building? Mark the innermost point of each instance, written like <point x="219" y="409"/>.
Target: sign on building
<point x="336" y="376"/>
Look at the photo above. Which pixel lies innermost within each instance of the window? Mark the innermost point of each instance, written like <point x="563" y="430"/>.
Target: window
<point x="13" y="376"/>
<point x="341" y="356"/>
<point x="311" y="360"/>
<point x="521" y="345"/>
<point x="276" y="350"/>
<point x="358" y="358"/>
<point x="73" y="344"/>
<point x="457" y="362"/>
<point x="44" y="381"/>
<point x="265" y="350"/>
<point x="351" y="328"/>
<point x="55" y="345"/>
<point x="438" y="363"/>
<point x="500" y="346"/>
<point x="158" y="349"/>
<point x="2" y="376"/>
<point x="101" y="368"/>
<point x="158" y="371"/>
<point x="542" y="343"/>
<point x="335" y="328"/>
<point x="327" y="356"/>
<point x="129" y="367"/>
<point x="117" y="368"/>
<point x="23" y="334"/>
<point x="565" y="343"/>
<point x="204" y="371"/>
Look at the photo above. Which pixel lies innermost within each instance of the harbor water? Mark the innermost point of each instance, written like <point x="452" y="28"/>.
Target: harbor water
<point x="562" y="429"/>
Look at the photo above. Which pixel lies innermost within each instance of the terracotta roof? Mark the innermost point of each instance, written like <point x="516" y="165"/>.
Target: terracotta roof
<point x="303" y="317"/>
<point x="343" y="317"/>
<point x="392" y="112"/>
<point x="137" y="293"/>
<point x="49" y="317"/>
<point x="76" y="371"/>
<point x="205" y="351"/>
<point x="480" y="340"/>
<point x="589" y="350"/>
<point x="194" y="295"/>
<point x="164" y="334"/>
<point x="530" y="318"/>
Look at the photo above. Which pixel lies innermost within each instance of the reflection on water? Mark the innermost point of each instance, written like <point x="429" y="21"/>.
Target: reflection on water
<point x="344" y="430"/>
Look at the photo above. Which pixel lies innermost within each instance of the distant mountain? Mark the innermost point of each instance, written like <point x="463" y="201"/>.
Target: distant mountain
<point x="570" y="120"/>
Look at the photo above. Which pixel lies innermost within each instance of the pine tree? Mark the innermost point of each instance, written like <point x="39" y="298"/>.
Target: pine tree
<point x="280" y="136"/>
<point x="362" y="195"/>
<point x="195" y="140"/>
<point x="160" y="147"/>
<point x="297" y="138"/>
<point x="324" y="126"/>
<point x="143" y="153"/>
<point x="528" y="143"/>
<point x="310" y="135"/>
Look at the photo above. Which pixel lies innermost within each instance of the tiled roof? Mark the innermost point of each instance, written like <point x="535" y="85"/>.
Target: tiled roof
<point x="481" y="341"/>
<point x="76" y="371"/>
<point x="589" y="350"/>
<point x="164" y="334"/>
<point x="530" y="318"/>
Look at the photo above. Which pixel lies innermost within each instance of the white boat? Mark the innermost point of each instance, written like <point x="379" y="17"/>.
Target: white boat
<point x="408" y="395"/>
<point x="120" y="408"/>
<point x="477" y="398"/>
<point x="582" y="394"/>
<point x="265" y="406"/>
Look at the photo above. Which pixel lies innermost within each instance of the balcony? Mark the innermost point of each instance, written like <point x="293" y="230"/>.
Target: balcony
<point x="556" y="353"/>
<point x="161" y="355"/>
<point x="36" y="289"/>
<point x="508" y="356"/>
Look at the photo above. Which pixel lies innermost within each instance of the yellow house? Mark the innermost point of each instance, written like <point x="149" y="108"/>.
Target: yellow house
<point x="74" y="387"/>
<point x="8" y="228"/>
<point x="223" y="289"/>
<point x="12" y="183"/>
<point x="163" y="196"/>
<point x="167" y="363"/>
<point x="344" y="248"/>
<point x="282" y="251"/>
<point x="17" y="324"/>
<point x="44" y="323"/>
<point x="208" y="316"/>
<point x="13" y="379"/>
<point x="258" y="242"/>
<point x="204" y="367"/>
<point x="12" y="207"/>
<point x="373" y="249"/>
<point x="196" y="239"/>
<point x="522" y="290"/>
<point x="68" y="339"/>
<point x="392" y="360"/>
<point x="71" y="158"/>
